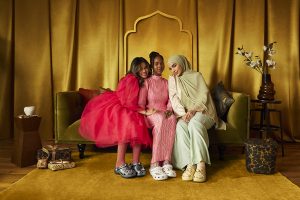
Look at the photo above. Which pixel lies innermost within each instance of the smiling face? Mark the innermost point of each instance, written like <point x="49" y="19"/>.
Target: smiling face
<point x="176" y="69"/>
<point x="144" y="70"/>
<point x="158" y="66"/>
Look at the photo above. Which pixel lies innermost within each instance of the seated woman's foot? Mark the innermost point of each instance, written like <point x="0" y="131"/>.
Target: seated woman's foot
<point x="189" y="172"/>
<point x="200" y="175"/>
<point x="125" y="171"/>
<point x="158" y="174"/>
<point x="139" y="169"/>
<point x="168" y="169"/>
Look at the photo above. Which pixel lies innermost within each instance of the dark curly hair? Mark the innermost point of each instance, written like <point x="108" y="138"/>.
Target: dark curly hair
<point x="135" y="68"/>
<point x="152" y="57"/>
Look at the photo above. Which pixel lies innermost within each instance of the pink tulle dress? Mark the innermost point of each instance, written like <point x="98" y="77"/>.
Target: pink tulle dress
<point x="112" y="118"/>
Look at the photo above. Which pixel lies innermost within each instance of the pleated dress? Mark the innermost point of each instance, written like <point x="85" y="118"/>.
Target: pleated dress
<point x="154" y="94"/>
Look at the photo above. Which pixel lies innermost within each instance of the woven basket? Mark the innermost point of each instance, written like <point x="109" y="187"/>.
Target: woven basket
<point x="261" y="155"/>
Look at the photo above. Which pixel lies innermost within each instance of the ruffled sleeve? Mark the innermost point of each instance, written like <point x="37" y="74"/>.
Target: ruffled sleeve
<point x="128" y="92"/>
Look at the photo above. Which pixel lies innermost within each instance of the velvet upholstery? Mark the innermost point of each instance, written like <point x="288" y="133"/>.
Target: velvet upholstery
<point x="69" y="106"/>
<point x="68" y="109"/>
<point x="222" y="99"/>
<point x="237" y="123"/>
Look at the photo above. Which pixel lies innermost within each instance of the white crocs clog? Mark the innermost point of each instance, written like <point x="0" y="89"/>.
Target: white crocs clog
<point x="158" y="174"/>
<point x="168" y="169"/>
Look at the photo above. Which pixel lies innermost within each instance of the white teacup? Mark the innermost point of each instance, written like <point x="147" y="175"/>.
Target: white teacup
<point x="29" y="110"/>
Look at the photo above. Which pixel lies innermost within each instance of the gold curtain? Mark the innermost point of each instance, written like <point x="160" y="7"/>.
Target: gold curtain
<point x="49" y="46"/>
<point x="6" y="68"/>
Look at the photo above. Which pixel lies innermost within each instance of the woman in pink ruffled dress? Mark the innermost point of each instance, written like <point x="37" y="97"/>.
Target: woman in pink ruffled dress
<point x="113" y="118"/>
<point x="154" y="97"/>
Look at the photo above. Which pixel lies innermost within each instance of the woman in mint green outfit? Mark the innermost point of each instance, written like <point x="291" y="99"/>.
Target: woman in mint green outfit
<point x="193" y="105"/>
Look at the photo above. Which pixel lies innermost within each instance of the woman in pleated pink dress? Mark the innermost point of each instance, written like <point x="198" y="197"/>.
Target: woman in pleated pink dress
<point x="114" y="118"/>
<point x="154" y="96"/>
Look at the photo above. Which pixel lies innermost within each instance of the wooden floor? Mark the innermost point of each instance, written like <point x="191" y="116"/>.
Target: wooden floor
<point x="289" y="165"/>
<point x="9" y="173"/>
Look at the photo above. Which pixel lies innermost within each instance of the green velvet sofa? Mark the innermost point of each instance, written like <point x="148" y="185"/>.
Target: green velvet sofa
<point x="69" y="106"/>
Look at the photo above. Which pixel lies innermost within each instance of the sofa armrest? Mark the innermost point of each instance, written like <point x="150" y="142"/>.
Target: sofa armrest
<point x="238" y="117"/>
<point x="237" y="125"/>
<point x="68" y="109"/>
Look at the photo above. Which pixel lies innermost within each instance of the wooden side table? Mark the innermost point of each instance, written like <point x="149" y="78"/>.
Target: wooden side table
<point x="26" y="140"/>
<point x="265" y="125"/>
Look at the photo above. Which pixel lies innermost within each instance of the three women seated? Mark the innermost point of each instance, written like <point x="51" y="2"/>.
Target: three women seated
<point x="179" y="111"/>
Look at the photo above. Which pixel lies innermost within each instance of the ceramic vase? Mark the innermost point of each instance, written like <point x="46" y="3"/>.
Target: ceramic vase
<point x="266" y="91"/>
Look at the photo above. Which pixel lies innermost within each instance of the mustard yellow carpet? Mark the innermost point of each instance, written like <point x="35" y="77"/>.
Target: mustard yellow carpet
<point x="93" y="178"/>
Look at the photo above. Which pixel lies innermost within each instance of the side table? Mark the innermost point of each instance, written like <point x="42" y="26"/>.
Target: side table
<point x="265" y="125"/>
<point x="26" y="140"/>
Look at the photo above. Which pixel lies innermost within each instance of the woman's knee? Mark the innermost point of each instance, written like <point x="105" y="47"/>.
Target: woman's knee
<point x="181" y="125"/>
<point x="181" y="128"/>
<point x="202" y="120"/>
<point x="196" y="128"/>
<point x="159" y="116"/>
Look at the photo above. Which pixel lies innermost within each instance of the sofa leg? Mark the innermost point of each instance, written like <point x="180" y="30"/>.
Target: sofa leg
<point x="221" y="149"/>
<point x="243" y="149"/>
<point x="81" y="149"/>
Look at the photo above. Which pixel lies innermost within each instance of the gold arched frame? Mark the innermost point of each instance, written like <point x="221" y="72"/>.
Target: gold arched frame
<point x="157" y="12"/>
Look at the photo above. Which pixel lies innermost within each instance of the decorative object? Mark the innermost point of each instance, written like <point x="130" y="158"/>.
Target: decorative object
<point x="261" y="155"/>
<point x="42" y="158"/>
<point x="26" y="140"/>
<point x="29" y="110"/>
<point x="60" y="164"/>
<point x="222" y="99"/>
<point x="55" y="153"/>
<point x="88" y="94"/>
<point x="266" y="91"/>
<point x="54" y="158"/>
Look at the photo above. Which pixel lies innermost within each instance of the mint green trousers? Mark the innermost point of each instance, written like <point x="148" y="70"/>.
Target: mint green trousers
<point x="191" y="141"/>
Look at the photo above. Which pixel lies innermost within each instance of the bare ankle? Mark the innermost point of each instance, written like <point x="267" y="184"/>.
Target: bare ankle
<point x="201" y="165"/>
<point x="156" y="164"/>
<point x="166" y="162"/>
<point x="120" y="162"/>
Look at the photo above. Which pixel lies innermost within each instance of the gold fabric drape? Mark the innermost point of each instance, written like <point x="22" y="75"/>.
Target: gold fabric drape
<point x="6" y="68"/>
<point x="47" y="46"/>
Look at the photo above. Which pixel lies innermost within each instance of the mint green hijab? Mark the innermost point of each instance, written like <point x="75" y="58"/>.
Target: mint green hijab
<point x="195" y="94"/>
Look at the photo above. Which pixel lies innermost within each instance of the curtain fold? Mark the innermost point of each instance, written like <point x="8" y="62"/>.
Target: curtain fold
<point x="48" y="46"/>
<point x="6" y="68"/>
<point x="64" y="38"/>
<point x="32" y="66"/>
<point x="283" y="24"/>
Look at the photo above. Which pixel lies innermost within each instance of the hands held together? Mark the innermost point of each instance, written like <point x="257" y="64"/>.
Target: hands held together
<point x="148" y="112"/>
<point x="188" y="116"/>
<point x="151" y="111"/>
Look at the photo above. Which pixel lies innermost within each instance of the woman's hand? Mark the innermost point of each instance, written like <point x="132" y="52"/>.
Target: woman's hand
<point x="147" y="112"/>
<point x="189" y="115"/>
<point x="150" y="111"/>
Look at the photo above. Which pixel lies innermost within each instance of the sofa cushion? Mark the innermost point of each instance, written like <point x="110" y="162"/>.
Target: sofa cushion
<point x="222" y="99"/>
<point x="88" y="94"/>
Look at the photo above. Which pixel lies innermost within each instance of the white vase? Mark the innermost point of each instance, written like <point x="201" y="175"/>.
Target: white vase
<point x="29" y="110"/>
